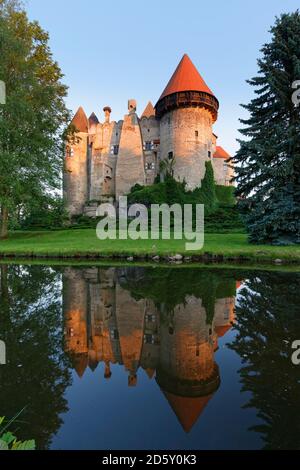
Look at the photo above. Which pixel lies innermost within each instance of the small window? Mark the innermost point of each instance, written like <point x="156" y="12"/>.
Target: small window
<point x="149" y="339"/>
<point x="114" y="334"/>
<point x="70" y="152"/>
<point x="196" y="134"/>
<point x="115" y="149"/>
<point x="209" y="154"/>
<point x="170" y="155"/>
<point x="150" y="318"/>
<point x="148" y="146"/>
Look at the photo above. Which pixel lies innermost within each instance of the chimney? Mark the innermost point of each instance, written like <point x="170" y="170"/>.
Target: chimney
<point x="107" y="112"/>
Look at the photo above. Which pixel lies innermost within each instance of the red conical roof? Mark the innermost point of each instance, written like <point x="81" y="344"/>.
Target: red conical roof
<point x="80" y="121"/>
<point x="186" y="78"/>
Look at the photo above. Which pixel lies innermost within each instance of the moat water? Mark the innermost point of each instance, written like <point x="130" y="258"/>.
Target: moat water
<point x="151" y="357"/>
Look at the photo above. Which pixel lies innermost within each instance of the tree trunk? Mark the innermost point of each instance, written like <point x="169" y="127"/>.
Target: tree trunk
<point x="4" y="223"/>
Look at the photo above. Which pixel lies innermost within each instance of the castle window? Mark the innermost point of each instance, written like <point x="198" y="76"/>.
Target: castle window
<point x="69" y="152"/>
<point x="196" y="134"/>
<point x="149" y="339"/>
<point x="170" y="155"/>
<point x="150" y="318"/>
<point x="148" y="146"/>
<point x="114" y="149"/>
<point x="209" y="154"/>
<point x="114" y="334"/>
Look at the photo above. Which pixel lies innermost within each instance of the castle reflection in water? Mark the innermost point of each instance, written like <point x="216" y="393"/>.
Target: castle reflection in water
<point x="171" y="335"/>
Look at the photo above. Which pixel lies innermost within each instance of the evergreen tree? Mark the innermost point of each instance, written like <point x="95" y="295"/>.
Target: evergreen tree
<point x="33" y="119"/>
<point x="267" y="164"/>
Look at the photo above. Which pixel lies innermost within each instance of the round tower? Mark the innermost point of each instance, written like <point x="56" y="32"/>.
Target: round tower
<point x="187" y="110"/>
<point x="76" y="166"/>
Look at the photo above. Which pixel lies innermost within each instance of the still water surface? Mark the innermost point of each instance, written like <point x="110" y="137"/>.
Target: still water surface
<point x="151" y="358"/>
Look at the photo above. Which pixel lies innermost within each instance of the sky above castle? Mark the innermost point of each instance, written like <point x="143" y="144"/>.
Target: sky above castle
<point x="113" y="51"/>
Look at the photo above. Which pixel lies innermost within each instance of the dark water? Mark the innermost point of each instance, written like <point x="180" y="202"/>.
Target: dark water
<point x="151" y="358"/>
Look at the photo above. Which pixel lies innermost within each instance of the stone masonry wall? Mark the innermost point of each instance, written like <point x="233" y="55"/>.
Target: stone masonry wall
<point x="130" y="165"/>
<point x="187" y="132"/>
<point x="76" y="176"/>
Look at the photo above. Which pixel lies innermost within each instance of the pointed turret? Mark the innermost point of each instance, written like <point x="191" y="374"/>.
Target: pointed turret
<point x="187" y="88"/>
<point x="80" y="121"/>
<point x="186" y="78"/>
<point x="149" y="111"/>
<point x="93" y="120"/>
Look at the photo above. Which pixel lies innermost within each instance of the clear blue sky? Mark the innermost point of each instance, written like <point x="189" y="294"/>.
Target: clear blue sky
<point x="113" y="50"/>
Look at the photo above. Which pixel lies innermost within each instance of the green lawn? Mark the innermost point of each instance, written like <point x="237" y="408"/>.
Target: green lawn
<point x="84" y="242"/>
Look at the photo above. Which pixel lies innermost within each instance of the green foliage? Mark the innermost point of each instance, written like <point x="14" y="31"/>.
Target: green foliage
<point x="226" y="219"/>
<point x="207" y="193"/>
<point x="225" y="195"/>
<point x="155" y="194"/>
<point x="267" y="164"/>
<point x="174" y="192"/>
<point x="33" y="120"/>
<point x="47" y="213"/>
<point x="8" y="440"/>
<point x="83" y="221"/>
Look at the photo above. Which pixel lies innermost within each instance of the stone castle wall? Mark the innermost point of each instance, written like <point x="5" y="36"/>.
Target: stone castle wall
<point x="76" y="175"/>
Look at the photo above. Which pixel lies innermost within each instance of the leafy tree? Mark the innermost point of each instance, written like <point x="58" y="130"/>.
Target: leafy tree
<point x="267" y="164"/>
<point x="33" y="120"/>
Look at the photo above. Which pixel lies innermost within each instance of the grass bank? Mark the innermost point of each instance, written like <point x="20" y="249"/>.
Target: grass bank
<point x="83" y="243"/>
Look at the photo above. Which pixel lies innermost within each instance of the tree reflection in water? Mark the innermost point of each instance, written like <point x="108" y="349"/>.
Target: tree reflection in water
<point x="267" y="323"/>
<point x="36" y="374"/>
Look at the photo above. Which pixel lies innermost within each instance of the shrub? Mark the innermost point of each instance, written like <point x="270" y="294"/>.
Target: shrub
<point x="225" y="195"/>
<point x="46" y="214"/>
<point x="174" y="192"/>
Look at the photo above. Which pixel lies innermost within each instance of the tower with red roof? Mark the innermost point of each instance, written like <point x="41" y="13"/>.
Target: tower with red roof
<point x="187" y="110"/>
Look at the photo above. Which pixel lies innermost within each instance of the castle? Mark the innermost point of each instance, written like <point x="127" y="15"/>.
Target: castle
<point x="108" y="159"/>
